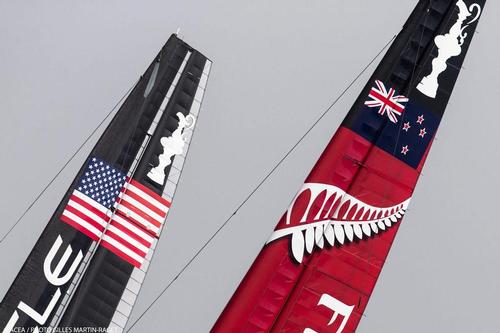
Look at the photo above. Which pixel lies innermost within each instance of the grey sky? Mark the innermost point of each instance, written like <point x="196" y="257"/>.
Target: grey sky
<point x="277" y="65"/>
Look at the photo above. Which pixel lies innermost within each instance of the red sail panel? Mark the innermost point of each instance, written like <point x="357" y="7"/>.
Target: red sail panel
<point x="320" y="266"/>
<point x="350" y="270"/>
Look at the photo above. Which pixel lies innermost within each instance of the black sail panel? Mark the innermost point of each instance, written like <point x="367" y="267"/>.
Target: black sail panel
<point x="106" y="279"/>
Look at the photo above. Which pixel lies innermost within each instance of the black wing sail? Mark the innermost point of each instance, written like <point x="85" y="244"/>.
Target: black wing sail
<point x="87" y="267"/>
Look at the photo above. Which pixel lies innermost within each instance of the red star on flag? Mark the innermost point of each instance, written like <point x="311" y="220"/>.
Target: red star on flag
<point x="406" y="126"/>
<point x="405" y="150"/>
<point x="422" y="133"/>
<point x="420" y="119"/>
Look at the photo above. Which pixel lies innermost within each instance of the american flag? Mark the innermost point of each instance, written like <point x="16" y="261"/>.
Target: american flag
<point x="142" y="206"/>
<point x="386" y="101"/>
<point x="130" y="230"/>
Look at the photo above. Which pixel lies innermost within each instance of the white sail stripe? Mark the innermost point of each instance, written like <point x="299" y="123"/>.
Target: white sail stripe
<point x="135" y="203"/>
<point x="90" y="201"/>
<point x="172" y="87"/>
<point x="127" y="212"/>
<point x="87" y="212"/>
<point x="207" y="68"/>
<point x="128" y="239"/>
<point x="184" y="62"/>
<point x="147" y="197"/>
<point x="130" y="226"/>
<point x="83" y="223"/>
<point x="123" y="248"/>
<point x="198" y="95"/>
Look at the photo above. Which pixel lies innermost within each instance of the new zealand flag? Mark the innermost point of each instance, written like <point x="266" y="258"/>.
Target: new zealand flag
<point x="406" y="135"/>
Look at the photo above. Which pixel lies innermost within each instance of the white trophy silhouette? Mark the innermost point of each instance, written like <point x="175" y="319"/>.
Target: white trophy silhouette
<point x="449" y="45"/>
<point x="172" y="145"/>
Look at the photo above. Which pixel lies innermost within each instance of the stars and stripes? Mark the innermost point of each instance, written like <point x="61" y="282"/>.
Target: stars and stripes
<point x="117" y="234"/>
<point x="387" y="102"/>
<point x="120" y="212"/>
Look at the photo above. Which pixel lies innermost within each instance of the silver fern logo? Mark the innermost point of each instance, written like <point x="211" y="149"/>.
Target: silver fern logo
<point x="340" y="219"/>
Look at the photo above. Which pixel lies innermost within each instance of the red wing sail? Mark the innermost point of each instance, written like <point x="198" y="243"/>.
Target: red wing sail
<point x="319" y="268"/>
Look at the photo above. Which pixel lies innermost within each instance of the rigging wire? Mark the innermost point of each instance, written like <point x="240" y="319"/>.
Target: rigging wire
<point x="256" y="188"/>
<point x="11" y="229"/>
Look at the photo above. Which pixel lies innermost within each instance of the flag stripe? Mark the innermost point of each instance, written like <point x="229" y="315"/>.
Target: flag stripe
<point x="140" y="199"/>
<point x="162" y="205"/>
<point x="125" y="198"/>
<point x="122" y="248"/>
<point x="133" y="229"/>
<point x="130" y="208"/>
<point x="90" y="202"/>
<point x="90" y="230"/>
<point x="132" y="215"/>
<point x="87" y="213"/>
<point x="75" y="213"/>
<point x="126" y="231"/>
<point x="149" y="192"/>
<point x="78" y="227"/>
<point x="121" y="254"/>
<point x="126" y="241"/>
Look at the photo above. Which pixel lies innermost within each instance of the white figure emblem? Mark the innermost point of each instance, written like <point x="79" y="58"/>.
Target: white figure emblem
<point x="338" y="308"/>
<point x="172" y="145"/>
<point x="449" y="45"/>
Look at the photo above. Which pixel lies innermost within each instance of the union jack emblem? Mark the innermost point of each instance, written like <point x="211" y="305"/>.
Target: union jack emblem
<point x="386" y="101"/>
